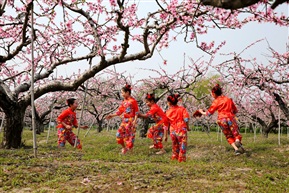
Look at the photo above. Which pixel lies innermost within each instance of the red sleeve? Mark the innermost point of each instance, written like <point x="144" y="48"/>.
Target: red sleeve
<point x="186" y="115"/>
<point x="153" y="110"/>
<point x="121" y="109"/>
<point x="213" y="108"/>
<point x="169" y="114"/>
<point x="135" y="106"/>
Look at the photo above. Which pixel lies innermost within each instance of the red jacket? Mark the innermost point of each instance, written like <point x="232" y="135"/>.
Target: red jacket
<point x="178" y="117"/>
<point x="68" y="117"/>
<point x="225" y="107"/>
<point x="128" y="108"/>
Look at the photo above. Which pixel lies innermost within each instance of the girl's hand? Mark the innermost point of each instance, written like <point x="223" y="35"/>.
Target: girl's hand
<point x="68" y="127"/>
<point x="134" y="123"/>
<point x="84" y="127"/>
<point x="141" y="115"/>
<point x="202" y="111"/>
<point x="109" y="116"/>
<point x="198" y="113"/>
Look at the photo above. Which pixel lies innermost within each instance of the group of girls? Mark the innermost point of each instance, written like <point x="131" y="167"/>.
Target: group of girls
<point x="175" y="120"/>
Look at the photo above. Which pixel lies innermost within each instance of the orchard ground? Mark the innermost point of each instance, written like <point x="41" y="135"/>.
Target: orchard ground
<point x="211" y="166"/>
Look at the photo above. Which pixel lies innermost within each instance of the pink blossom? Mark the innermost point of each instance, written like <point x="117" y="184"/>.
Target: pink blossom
<point x="112" y="2"/>
<point x="69" y="24"/>
<point x="192" y="35"/>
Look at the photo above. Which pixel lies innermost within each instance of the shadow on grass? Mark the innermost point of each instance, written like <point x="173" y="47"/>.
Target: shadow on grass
<point x="27" y="147"/>
<point x="259" y="149"/>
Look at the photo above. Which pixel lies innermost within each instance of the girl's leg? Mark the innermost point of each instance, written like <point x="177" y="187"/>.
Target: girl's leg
<point x="156" y="133"/>
<point x="175" y="146"/>
<point x="183" y="146"/>
<point x="235" y="130"/>
<point x="150" y="134"/>
<point x="224" y="125"/>
<point x="226" y="130"/>
<point x="61" y="137"/>
<point x="158" y="138"/>
<point x="237" y="136"/>
<point x="120" y="134"/>
<point x="129" y="141"/>
<point x="71" y="137"/>
<point x="120" y="140"/>
<point x="129" y="135"/>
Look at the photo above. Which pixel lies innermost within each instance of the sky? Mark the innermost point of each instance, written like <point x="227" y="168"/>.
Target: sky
<point x="236" y="40"/>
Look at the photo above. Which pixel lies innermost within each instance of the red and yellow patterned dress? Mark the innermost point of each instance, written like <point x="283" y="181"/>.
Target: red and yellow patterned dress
<point x="178" y="119"/>
<point x="226" y="117"/>
<point x="156" y="132"/>
<point x="126" y="133"/>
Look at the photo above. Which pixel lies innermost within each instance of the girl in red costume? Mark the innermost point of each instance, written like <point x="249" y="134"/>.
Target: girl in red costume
<point x="179" y="125"/>
<point x="159" y="130"/>
<point x="66" y="121"/>
<point x="128" y="110"/>
<point x="226" y="118"/>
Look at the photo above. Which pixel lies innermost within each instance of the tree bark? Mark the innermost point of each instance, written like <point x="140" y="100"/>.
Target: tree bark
<point x="282" y="105"/>
<point x="144" y="128"/>
<point x="265" y="132"/>
<point x="39" y="126"/>
<point x="251" y="128"/>
<point x="229" y="4"/>
<point x="13" y="128"/>
<point x="236" y="4"/>
<point x="99" y="123"/>
<point x="278" y="2"/>
<point x="266" y="129"/>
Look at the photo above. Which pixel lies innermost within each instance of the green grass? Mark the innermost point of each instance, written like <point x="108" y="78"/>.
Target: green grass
<point x="211" y="166"/>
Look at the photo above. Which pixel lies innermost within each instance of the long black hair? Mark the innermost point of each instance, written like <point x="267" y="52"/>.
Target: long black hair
<point x="173" y="98"/>
<point x="217" y="90"/>
<point x="126" y="88"/>
<point x="70" y="101"/>
<point x="151" y="97"/>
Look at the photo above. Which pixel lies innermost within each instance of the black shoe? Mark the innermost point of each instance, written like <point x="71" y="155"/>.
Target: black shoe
<point x="240" y="147"/>
<point x="237" y="152"/>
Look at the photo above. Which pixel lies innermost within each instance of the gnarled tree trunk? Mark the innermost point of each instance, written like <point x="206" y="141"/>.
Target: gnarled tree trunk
<point x="39" y="121"/>
<point x="100" y="127"/>
<point x="13" y="128"/>
<point x="266" y="129"/>
<point x="39" y="126"/>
